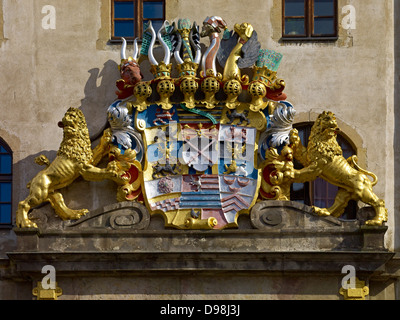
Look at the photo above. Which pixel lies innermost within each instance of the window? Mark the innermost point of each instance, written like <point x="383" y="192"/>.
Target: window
<point x="129" y="17"/>
<point x="320" y="193"/>
<point x="309" y="20"/>
<point x="5" y="183"/>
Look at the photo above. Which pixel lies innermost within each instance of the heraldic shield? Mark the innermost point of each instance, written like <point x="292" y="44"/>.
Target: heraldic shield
<point x="199" y="173"/>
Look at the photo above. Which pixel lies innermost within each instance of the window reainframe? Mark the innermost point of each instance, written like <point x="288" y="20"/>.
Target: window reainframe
<point x="7" y="178"/>
<point x="309" y="19"/>
<point x="138" y="18"/>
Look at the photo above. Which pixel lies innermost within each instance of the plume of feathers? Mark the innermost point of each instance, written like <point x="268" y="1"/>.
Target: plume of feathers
<point x="250" y="50"/>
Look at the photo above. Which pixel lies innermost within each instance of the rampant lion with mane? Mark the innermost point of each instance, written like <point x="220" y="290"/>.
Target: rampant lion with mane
<point x="75" y="158"/>
<point x="324" y="153"/>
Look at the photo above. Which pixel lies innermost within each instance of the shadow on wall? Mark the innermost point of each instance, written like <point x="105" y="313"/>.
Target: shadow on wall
<point x="99" y="96"/>
<point x="397" y="120"/>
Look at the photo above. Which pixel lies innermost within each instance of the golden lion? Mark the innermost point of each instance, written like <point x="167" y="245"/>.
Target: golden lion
<point x="325" y="155"/>
<point x="75" y="158"/>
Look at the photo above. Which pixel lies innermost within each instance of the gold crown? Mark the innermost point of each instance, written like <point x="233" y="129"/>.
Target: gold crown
<point x="161" y="71"/>
<point x="187" y="69"/>
<point x="264" y="75"/>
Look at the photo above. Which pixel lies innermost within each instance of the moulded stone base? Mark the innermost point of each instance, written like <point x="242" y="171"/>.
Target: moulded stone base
<point x="280" y="251"/>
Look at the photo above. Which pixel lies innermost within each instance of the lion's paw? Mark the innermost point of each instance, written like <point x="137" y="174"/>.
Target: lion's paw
<point x="375" y="222"/>
<point x="322" y="212"/>
<point x="77" y="214"/>
<point x="112" y="168"/>
<point x="25" y="223"/>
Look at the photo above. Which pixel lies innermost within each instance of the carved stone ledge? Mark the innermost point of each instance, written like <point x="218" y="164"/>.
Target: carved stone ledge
<point x="373" y="237"/>
<point x="109" y="263"/>
<point x="276" y="238"/>
<point x="117" y="216"/>
<point x="27" y="238"/>
<point x="284" y="215"/>
<point x="275" y="226"/>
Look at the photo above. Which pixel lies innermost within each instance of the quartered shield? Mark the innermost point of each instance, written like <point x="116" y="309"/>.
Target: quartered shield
<point x="198" y="172"/>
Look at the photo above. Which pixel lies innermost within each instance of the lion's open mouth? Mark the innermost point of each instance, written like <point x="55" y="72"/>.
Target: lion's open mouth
<point x="335" y="129"/>
<point x="67" y="127"/>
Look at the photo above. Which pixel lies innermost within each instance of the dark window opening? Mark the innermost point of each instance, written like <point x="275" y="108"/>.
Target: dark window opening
<point x="309" y="20"/>
<point x="5" y="184"/>
<point x="129" y="17"/>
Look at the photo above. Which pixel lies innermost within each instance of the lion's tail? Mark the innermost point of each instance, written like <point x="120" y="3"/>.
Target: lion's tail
<point x="353" y="160"/>
<point x="42" y="160"/>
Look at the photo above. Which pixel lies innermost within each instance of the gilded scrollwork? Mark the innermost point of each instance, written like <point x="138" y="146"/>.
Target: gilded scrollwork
<point x="278" y="174"/>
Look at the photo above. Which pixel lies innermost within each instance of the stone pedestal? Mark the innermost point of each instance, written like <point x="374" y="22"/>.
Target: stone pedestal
<point x="281" y="250"/>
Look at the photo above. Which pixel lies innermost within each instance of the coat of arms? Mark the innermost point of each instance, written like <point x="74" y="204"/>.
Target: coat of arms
<point x="201" y="164"/>
<point x="198" y="146"/>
